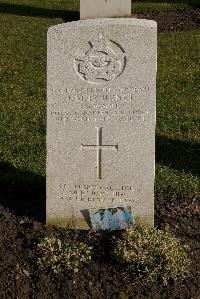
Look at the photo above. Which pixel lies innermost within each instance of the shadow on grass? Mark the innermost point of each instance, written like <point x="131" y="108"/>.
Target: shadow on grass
<point x="23" y="192"/>
<point x="25" y="10"/>
<point x="179" y="155"/>
<point x="194" y="3"/>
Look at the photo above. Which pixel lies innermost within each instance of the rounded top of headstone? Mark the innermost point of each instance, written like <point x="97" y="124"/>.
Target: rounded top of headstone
<point x="107" y="21"/>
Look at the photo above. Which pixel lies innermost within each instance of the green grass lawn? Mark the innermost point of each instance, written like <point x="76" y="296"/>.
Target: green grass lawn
<point x="23" y="99"/>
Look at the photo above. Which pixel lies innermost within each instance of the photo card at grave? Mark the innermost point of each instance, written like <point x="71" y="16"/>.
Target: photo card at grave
<point x="101" y="100"/>
<point x="114" y="218"/>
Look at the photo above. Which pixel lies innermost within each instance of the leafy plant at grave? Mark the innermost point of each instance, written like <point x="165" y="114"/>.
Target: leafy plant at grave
<point x="153" y="253"/>
<point x="56" y="255"/>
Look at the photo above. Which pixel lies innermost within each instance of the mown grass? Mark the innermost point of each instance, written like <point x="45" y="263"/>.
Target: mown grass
<point x="23" y="99"/>
<point x="178" y="108"/>
<point x="54" y="5"/>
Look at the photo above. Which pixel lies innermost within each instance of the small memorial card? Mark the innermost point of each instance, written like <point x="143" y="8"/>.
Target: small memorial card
<point x="113" y="218"/>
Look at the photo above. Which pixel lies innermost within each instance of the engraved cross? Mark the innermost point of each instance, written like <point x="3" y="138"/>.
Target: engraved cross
<point x="99" y="147"/>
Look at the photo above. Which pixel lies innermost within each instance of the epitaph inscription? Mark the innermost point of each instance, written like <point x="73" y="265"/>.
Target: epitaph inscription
<point x="101" y="91"/>
<point x="99" y="193"/>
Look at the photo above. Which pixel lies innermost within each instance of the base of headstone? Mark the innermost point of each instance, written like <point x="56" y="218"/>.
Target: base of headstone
<point x="69" y="222"/>
<point x="80" y="223"/>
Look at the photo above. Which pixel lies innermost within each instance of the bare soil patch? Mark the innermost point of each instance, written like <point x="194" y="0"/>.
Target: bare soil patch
<point x="173" y="20"/>
<point x="102" y="277"/>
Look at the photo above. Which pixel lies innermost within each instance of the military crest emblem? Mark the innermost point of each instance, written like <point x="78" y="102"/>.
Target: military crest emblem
<point x="105" y="60"/>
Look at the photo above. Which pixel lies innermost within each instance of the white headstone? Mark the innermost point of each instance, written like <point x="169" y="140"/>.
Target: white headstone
<point x="101" y="91"/>
<point x="90" y="9"/>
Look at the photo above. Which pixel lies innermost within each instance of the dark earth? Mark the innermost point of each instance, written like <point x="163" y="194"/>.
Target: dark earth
<point x="174" y="20"/>
<point x="102" y="277"/>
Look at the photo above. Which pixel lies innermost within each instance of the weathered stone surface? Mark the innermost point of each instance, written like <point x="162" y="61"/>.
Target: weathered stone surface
<point x="101" y="91"/>
<point x="90" y="9"/>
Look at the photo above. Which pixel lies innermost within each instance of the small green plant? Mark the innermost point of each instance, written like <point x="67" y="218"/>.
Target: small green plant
<point x="153" y="253"/>
<point x="57" y="255"/>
